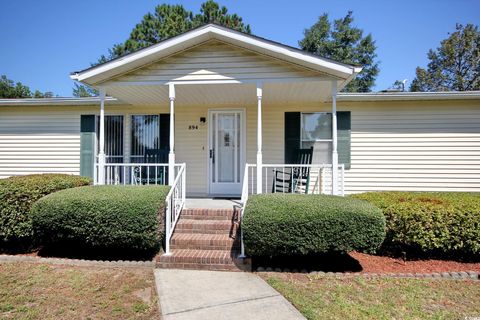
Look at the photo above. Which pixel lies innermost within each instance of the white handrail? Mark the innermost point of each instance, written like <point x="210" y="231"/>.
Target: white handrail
<point x="174" y="203"/>
<point x="243" y="202"/>
<point x="135" y="164"/>
<point x="244" y="197"/>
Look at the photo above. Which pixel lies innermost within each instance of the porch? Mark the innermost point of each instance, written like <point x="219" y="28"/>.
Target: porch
<point x="225" y="114"/>
<point x="223" y="100"/>
<point x="223" y="143"/>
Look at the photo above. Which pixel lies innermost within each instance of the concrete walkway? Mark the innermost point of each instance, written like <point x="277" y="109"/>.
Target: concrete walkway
<point x="192" y="294"/>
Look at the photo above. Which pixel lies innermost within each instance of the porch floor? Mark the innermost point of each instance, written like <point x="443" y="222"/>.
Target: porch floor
<point x="210" y="203"/>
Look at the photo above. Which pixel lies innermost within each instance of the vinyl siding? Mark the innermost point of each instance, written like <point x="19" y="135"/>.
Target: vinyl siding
<point x="213" y="61"/>
<point x="39" y="141"/>
<point x="421" y="146"/>
<point x="395" y="145"/>
<point x="432" y="146"/>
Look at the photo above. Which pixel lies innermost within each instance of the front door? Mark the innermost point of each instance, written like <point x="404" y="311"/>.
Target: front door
<point x="226" y="152"/>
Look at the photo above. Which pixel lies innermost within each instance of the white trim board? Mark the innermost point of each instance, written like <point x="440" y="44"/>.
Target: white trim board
<point x="108" y="70"/>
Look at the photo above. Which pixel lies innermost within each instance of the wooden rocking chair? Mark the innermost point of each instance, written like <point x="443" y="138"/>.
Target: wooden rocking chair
<point x="296" y="179"/>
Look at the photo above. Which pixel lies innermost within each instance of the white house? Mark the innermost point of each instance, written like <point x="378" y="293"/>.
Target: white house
<point x="217" y="99"/>
<point x="215" y="112"/>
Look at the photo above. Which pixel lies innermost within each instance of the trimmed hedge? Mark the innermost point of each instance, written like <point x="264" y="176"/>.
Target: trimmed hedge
<point x="440" y="223"/>
<point x="103" y="217"/>
<point x="292" y="224"/>
<point x="17" y="195"/>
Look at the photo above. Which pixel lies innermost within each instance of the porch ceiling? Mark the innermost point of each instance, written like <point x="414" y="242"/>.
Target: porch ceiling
<point x="223" y="94"/>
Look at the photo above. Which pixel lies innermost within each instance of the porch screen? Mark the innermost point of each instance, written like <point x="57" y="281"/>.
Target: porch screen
<point x="113" y="138"/>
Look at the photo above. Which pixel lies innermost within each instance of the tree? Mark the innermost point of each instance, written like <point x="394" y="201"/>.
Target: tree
<point x="11" y="90"/>
<point x="167" y="21"/>
<point x="170" y="20"/>
<point x="39" y="95"/>
<point x="455" y="65"/>
<point x="82" y="91"/>
<point x="398" y="85"/>
<point x="344" y="43"/>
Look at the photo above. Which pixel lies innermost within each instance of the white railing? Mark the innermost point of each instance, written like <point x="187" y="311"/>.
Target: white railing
<point x="134" y="173"/>
<point x="289" y="178"/>
<point x="293" y="178"/>
<point x="174" y="204"/>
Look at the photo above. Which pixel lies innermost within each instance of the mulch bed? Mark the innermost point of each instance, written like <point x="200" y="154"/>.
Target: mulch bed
<point x="362" y="263"/>
<point x="380" y="264"/>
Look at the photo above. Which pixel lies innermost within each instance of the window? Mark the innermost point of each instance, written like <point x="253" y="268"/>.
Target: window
<point x="113" y="138"/>
<point x="316" y="132"/>
<point x="145" y="135"/>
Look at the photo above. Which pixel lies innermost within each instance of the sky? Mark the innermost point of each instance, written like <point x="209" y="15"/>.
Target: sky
<point x="43" y="41"/>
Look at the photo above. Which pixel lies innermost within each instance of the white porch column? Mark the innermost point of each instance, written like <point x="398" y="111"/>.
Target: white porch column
<point x="259" y="137"/>
<point x="101" y="143"/>
<point x="334" y="140"/>
<point x="171" y="155"/>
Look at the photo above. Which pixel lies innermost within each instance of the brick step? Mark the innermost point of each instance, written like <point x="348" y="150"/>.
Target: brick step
<point x="206" y="226"/>
<point x="203" y="260"/>
<point x="204" y="241"/>
<point x="208" y="214"/>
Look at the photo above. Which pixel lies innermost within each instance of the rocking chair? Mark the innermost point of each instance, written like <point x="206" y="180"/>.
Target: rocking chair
<point x="294" y="179"/>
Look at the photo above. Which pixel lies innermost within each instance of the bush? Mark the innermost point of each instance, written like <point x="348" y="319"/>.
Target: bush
<point x="17" y="195"/>
<point x="103" y="217"/>
<point x="291" y="224"/>
<point x="435" y="223"/>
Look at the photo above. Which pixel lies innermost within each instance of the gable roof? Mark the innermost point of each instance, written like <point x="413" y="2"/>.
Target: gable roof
<point x="103" y="72"/>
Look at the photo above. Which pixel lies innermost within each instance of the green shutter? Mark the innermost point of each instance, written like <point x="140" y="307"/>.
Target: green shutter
<point x="165" y="131"/>
<point x="292" y="135"/>
<point x="87" y="145"/>
<point x="344" y="137"/>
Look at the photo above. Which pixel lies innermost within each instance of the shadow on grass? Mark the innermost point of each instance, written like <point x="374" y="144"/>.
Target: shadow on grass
<point x="333" y="262"/>
<point x="72" y="251"/>
<point x="76" y="251"/>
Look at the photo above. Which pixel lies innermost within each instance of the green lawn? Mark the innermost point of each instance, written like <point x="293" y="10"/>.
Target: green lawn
<point x="360" y="298"/>
<point x="39" y="291"/>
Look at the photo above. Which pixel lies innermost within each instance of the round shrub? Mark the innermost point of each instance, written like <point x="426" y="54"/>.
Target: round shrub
<point x="443" y="223"/>
<point x="103" y="217"/>
<point x="17" y="195"/>
<point x="292" y="224"/>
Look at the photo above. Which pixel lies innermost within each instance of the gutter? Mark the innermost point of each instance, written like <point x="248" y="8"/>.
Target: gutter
<point x="408" y="96"/>
<point x="68" y="101"/>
